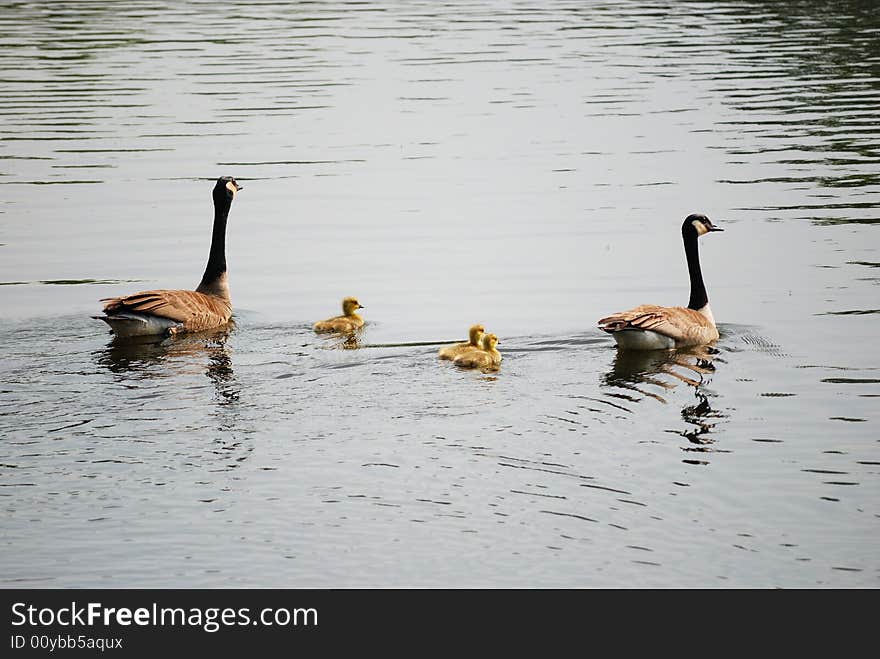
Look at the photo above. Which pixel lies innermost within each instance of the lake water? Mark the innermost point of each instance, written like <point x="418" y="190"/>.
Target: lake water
<point x="522" y="165"/>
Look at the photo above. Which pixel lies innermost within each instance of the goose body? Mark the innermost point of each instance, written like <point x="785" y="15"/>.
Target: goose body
<point x="652" y="327"/>
<point x="486" y="358"/>
<point x="165" y="311"/>
<point x="349" y="321"/>
<point x="475" y="335"/>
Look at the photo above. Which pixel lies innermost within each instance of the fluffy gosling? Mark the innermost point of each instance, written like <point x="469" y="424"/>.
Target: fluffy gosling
<point x="475" y="335"/>
<point x="486" y="358"/>
<point x="349" y="321"/>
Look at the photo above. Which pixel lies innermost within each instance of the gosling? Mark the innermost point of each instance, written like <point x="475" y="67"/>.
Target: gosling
<point x="486" y="358"/>
<point x="349" y="321"/>
<point x="475" y="335"/>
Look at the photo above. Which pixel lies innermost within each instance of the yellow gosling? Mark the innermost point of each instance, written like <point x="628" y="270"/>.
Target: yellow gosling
<point x="349" y="321"/>
<point x="486" y="358"/>
<point x="475" y="335"/>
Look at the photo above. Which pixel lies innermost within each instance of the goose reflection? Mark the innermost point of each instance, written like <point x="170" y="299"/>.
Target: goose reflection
<point x="657" y="374"/>
<point x="701" y="418"/>
<point x="164" y="368"/>
<point x="139" y="356"/>
<point x="344" y="341"/>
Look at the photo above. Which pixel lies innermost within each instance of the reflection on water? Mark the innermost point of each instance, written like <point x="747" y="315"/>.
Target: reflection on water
<point x="654" y="373"/>
<point x="813" y="123"/>
<point x="343" y="340"/>
<point x="138" y="354"/>
<point x="161" y="357"/>
<point x="699" y="416"/>
<point x="634" y="367"/>
<point x="801" y="80"/>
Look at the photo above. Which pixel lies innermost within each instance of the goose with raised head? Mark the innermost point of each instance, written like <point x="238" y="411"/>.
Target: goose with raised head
<point x="171" y="311"/>
<point x="349" y="321"/>
<point x="486" y="358"/>
<point x="651" y="327"/>
<point x="475" y="335"/>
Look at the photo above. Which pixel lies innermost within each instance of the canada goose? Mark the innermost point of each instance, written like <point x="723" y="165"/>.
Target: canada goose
<point x="475" y="334"/>
<point x="172" y="311"/>
<point x="349" y="321"/>
<point x="486" y="358"/>
<point x="650" y="327"/>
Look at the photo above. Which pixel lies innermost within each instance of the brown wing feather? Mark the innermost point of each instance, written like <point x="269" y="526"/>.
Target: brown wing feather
<point x="195" y="311"/>
<point x="684" y="326"/>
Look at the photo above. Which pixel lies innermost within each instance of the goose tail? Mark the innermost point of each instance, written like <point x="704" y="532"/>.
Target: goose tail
<point x="125" y="324"/>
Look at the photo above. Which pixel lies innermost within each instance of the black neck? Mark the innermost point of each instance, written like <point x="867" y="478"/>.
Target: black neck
<point x="699" y="299"/>
<point x="217" y="256"/>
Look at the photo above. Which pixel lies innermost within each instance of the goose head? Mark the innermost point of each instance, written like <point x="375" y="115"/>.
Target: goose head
<point x="698" y="224"/>
<point x="475" y="334"/>
<point x="224" y="191"/>
<point x="350" y="305"/>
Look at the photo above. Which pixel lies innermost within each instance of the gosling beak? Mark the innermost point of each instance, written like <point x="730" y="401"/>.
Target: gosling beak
<point x="360" y="306"/>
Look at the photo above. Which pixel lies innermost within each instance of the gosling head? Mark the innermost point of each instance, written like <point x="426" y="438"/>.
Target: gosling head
<point x="489" y="342"/>
<point x="225" y="189"/>
<point x="475" y="334"/>
<point x="350" y="305"/>
<point x="698" y="223"/>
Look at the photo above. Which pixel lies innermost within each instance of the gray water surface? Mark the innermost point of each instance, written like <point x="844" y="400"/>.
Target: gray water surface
<point x="524" y="166"/>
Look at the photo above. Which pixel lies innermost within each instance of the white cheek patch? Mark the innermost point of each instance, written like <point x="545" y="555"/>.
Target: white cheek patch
<point x="231" y="187"/>
<point x="700" y="227"/>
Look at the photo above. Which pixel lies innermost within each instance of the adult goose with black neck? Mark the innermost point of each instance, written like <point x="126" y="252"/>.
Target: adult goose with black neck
<point x="651" y="327"/>
<point x="171" y="311"/>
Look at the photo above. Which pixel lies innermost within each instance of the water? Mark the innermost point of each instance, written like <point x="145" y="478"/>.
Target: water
<point x="525" y="166"/>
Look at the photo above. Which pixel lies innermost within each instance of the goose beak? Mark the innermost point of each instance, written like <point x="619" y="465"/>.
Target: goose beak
<point x="715" y="228"/>
<point x="238" y="186"/>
